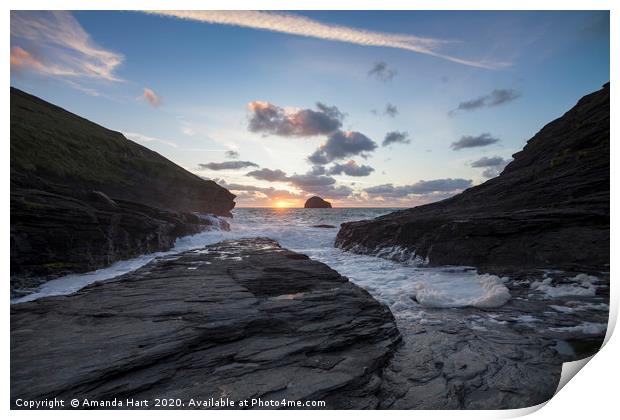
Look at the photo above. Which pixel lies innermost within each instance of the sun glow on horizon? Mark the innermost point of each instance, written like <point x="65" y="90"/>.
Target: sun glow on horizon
<point x="284" y="204"/>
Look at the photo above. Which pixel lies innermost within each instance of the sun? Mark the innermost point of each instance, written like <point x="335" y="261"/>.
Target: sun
<point x="282" y="204"/>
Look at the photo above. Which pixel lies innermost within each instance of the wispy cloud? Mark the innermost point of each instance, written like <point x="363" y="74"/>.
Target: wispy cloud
<point x="63" y="48"/>
<point x="141" y="138"/>
<point x="447" y="185"/>
<point x="495" y="98"/>
<point x="299" y="25"/>
<point x="151" y="97"/>
<point x="466" y="142"/>
<point x="221" y="166"/>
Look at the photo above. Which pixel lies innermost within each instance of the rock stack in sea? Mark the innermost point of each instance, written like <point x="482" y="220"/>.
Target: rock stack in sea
<point x="548" y="209"/>
<point x="317" y="203"/>
<point x="83" y="196"/>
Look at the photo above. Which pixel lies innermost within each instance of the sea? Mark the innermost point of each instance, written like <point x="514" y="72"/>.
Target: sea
<point x="405" y="286"/>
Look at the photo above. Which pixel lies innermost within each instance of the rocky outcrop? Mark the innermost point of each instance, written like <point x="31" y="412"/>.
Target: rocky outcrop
<point x="54" y="235"/>
<point x="57" y="151"/>
<point x="548" y="208"/>
<point x="83" y="196"/>
<point x="317" y="203"/>
<point x="237" y="320"/>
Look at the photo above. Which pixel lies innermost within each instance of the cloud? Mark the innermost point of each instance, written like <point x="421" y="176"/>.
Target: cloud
<point x="63" y="47"/>
<point x="299" y="25"/>
<point x="318" y="170"/>
<point x="271" y="119"/>
<point x="151" y="97"/>
<point x="340" y="145"/>
<point x="232" y="154"/>
<point x="270" y="175"/>
<point x="308" y="180"/>
<point x="141" y="138"/>
<point x="269" y="192"/>
<point x="350" y="168"/>
<point x="220" y="166"/>
<point x="21" y="58"/>
<point x="330" y="191"/>
<point x="492" y="172"/>
<point x="310" y="183"/>
<point x="483" y="139"/>
<point x="485" y="162"/>
<point x="493" y="165"/>
<point x="420" y="188"/>
<point x="381" y="71"/>
<point x="396" y="137"/>
<point x="390" y="110"/>
<point x="495" y="98"/>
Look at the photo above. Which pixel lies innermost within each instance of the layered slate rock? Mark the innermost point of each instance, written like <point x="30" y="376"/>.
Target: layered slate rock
<point x="238" y="320"/>
<point x="317" y="203"/>
<point x="548" y="208"/>
<point x="83" y="196"/>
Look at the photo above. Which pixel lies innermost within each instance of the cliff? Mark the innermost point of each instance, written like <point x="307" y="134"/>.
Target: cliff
<point x="548" y="209"/>
<point x="83" y="196"/>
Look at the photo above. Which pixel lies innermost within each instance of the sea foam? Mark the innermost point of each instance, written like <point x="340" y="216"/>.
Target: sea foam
<point x="403" y="281"/>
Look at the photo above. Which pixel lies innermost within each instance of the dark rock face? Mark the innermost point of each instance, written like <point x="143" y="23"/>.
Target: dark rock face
<point x="53" y="235"/>
<point x="548" y="208"/>
<point x="55" y="150"/>
<point x="317" y="203"/>
<point x="83" y="196"/>
<point x="240" y="319"/>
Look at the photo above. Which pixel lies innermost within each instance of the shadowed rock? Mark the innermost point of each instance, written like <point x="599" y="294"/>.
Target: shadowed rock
<point x="239" y="319"/>
<point x="317" y="203"/>
<point x="83" y="196"/>
<point x="548" y="208"/>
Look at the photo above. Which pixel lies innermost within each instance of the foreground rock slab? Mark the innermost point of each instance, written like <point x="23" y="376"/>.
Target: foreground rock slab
<point x="238" y="320"/>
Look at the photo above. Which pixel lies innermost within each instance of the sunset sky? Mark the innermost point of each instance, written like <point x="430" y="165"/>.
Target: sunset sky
<point x="370" y="109"/>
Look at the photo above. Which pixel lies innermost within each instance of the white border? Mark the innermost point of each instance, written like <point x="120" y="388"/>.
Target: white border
<point x="592" y="394"/>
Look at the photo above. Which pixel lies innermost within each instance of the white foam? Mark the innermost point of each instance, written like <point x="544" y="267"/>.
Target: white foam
<point x="391" y="282"/>
<point x="489" y="292"/>
<point x="580" y="285"/>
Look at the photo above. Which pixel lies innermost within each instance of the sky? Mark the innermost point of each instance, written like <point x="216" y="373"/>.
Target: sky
<point x="363" y="108"/>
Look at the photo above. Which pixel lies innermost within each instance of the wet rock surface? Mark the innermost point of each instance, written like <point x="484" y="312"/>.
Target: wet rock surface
<point x="507" y="357"/>
<point x="548" y="209"/>
<point x="239" y="319"/>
